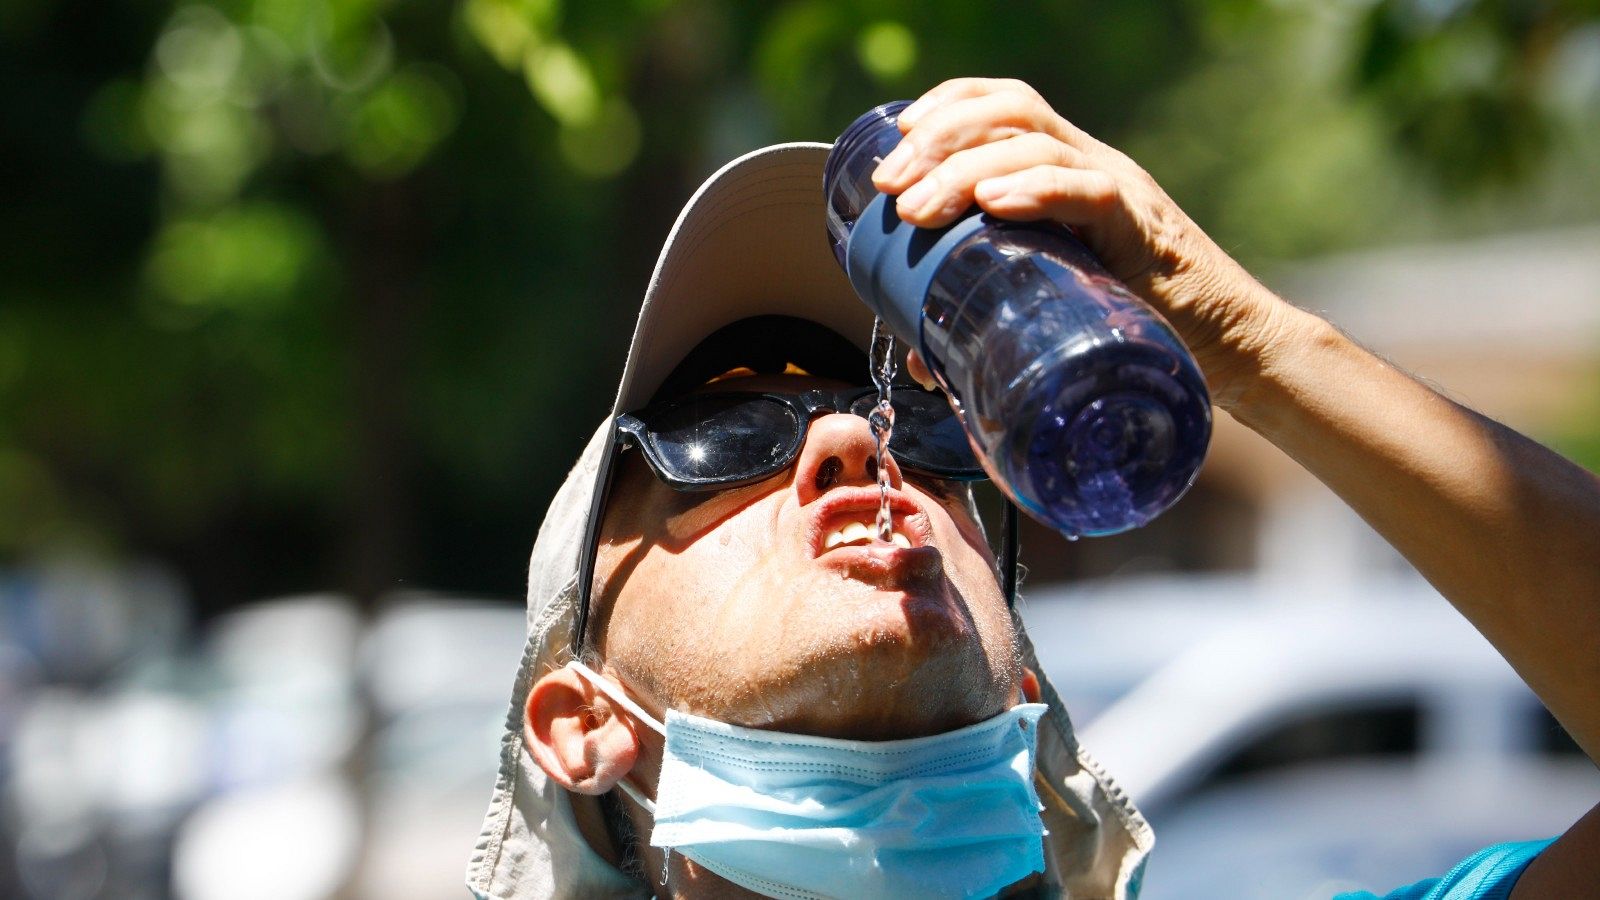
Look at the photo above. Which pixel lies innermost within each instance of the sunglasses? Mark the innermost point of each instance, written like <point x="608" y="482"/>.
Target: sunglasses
<point x="718" y="441"/>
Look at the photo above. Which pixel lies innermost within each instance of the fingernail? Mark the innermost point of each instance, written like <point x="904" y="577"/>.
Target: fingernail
<point x="895" y="163"/>
<point x="994" y="188"/>
<point x="917" y="196"/>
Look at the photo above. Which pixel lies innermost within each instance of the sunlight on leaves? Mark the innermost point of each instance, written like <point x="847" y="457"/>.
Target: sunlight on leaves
<point x="199" y="52"/>
<point x="507" y="28"/>
<point x="248" y="258"/>
<point x="562" y="83"/>
<point x="398" y="124"/>
<point x="605" y="145"/>
<point x="887" y="49"/>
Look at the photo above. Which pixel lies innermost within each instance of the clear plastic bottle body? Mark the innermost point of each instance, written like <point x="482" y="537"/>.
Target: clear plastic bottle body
<point x="1083" y="404"/>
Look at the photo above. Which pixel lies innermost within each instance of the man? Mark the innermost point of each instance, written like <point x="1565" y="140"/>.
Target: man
<point x="753" y="616"/>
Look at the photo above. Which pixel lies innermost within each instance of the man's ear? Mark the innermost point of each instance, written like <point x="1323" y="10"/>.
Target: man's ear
<point x="1030" y="685"/>
<point x="575" y="734"/>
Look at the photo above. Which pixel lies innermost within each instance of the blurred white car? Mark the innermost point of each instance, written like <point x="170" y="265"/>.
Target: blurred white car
<point x="1295" y="744"/>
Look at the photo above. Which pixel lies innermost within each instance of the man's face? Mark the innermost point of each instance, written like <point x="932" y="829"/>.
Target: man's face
<point x="730" y="605"/>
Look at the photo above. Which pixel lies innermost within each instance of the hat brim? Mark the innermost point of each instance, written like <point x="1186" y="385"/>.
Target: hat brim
<point x="752" y="241"/>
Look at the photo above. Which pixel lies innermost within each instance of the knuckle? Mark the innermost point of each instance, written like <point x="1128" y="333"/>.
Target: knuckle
<point x="1055" y="183"/>
<point x="959" y="165"/>
<point x="1016" y="107"/>
<point x="1034" y="186"/>
<point x="1100" y="188"/>
<point x="959" y="86"/>
<point x="1026" y="111"/>
<point x="1018" y="86"/>
<point x="1040" y="146"/>
<point x="935" y="145"/>
<point x="1036" y="141"/>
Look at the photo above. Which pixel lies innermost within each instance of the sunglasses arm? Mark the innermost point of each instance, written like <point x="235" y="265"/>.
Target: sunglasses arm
<point x="591" y="541"/>
<point x="1008" y="555"/>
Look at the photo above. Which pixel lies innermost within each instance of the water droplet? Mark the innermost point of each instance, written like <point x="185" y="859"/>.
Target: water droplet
<point x="882" y="418"/>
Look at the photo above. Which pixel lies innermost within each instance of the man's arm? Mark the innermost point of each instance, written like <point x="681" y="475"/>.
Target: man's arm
<point x="1568" y="868"/>
<point x="1507" y="530"/>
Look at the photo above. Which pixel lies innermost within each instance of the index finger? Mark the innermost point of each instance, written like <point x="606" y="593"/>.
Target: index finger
<point x="958" y="89"/>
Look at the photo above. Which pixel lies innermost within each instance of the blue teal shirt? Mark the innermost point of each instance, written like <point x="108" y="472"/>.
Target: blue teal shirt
<point x="1488" y="874"/>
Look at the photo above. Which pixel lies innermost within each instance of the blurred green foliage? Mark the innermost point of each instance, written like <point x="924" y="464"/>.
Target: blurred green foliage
<point x="301" y="293"/>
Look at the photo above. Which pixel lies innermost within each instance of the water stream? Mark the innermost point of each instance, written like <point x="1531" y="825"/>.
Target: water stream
<point x="882" y="365"/>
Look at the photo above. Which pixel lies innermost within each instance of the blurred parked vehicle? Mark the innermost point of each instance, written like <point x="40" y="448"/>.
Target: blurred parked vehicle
<point x="1289" y="744"/>
<point x="1284" y="742"/>
<point x="289" y="750"/>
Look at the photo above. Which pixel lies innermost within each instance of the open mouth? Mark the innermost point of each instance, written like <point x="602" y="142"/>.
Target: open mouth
<point x="853" y="534"/>
<point x="847" y="517"/>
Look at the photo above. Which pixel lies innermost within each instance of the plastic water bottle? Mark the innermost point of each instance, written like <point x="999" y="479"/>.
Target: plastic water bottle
<point x="1081" y="401"/>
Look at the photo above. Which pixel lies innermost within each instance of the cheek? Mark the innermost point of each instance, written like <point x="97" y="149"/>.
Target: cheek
<point x="961" y="535"/>
<point x="682" y="589"/>
<point x="717" y="572"/>
<point x="970" y="567"/>
<point x="972" y="573"/>
<point x="690" y="621"/>
<point x="657" y="633"/>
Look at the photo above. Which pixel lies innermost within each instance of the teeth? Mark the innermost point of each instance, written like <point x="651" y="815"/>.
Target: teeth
<point x="860" y="533"/>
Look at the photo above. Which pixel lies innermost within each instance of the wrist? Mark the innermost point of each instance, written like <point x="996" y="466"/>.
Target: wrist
<point x="1235" y="327"/>
<point x="1273" y="354"/>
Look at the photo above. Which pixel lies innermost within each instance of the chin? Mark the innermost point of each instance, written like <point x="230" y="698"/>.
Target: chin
<point x="888" y="602"/>
<point x="877" y="693"/>
<point x="925" y="623"/>
<point x="879" y="664"/>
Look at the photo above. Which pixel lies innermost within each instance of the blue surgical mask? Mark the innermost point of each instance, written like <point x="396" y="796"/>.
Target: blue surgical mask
<point x="802" y="817"/>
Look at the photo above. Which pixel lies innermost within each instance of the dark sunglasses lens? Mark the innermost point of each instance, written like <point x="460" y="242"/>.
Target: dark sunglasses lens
<point x="926" y="433"/>
<point x="719" y="438"/>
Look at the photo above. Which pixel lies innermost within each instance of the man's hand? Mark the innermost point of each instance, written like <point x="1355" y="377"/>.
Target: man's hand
<point x="997" y="143"/>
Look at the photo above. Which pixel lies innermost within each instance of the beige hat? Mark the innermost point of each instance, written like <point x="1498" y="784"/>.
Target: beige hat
<point x="751" y="242"/>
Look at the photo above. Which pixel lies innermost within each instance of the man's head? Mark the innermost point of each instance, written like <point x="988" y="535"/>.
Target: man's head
<point x="761" y="605"/>
<point x="767" y="603"/>
<point x="733" y="604"/>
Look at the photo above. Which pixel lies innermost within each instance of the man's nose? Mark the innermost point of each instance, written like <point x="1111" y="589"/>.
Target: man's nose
<point x="839" y="450"/>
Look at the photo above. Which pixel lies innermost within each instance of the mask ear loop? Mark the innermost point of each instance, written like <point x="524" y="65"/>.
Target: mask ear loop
<point x="617" y="696"/>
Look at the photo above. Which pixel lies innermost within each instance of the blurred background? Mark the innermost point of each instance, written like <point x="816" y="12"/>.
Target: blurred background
<point x="307" y="305"/>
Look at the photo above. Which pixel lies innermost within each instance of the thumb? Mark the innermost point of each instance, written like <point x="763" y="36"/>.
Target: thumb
<point x="918" y="370"/>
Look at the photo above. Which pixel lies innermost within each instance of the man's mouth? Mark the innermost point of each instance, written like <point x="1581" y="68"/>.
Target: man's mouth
<point x="847" y="517"/>
<point x="860" y="534"/>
